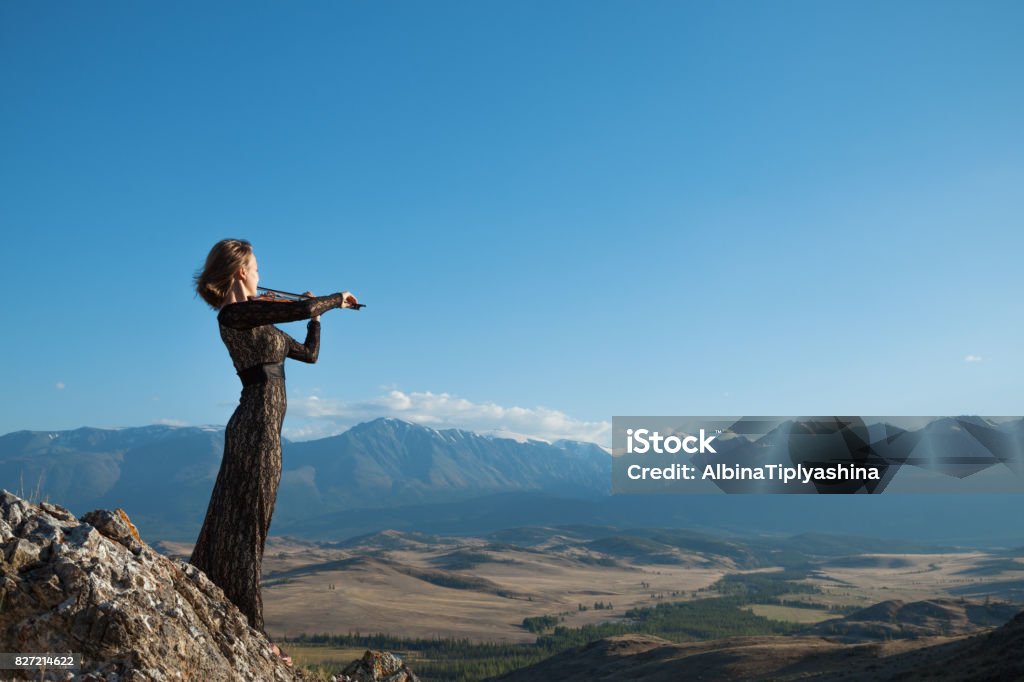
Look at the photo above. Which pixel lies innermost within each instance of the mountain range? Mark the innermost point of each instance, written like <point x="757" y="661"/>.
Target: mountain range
<point x="163" y="474"/>
<point x="388" y="473"/>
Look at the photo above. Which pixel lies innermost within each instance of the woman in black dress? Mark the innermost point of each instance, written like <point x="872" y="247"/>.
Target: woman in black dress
<point x="230" y="545"/>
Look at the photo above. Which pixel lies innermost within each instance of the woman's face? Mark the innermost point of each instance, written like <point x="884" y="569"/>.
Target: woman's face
<point x="250" y="275"/>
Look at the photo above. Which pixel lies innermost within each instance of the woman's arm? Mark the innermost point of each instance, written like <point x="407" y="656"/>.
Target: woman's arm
<point x="249" y="314"/>
<point x="309" y="351"/>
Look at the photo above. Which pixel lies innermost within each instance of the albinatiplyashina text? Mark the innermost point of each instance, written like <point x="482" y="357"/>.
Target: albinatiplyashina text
<point x="766" y="472"/>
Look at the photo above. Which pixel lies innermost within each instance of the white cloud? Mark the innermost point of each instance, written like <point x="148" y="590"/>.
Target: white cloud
<point x="320" y="417"/>
<point x="171" y="422"/>
<point x="59" y="386"/>
<point x="972" y="358"/>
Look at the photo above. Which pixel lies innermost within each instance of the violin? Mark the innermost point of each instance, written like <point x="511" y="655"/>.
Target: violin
<point x="275" y="295"/>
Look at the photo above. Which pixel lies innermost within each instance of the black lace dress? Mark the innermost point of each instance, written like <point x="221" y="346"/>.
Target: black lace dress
<point x="230" y="545"/>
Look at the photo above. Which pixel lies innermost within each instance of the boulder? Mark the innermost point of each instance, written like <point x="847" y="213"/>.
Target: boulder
<point x="94" y="587"/>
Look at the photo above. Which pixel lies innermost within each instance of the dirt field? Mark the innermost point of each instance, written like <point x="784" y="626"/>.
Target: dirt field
<point x="410" y="586"/>
<point x="789" y="614"/>
<point x="377" y="594"/>
<point x="913" y="577"/>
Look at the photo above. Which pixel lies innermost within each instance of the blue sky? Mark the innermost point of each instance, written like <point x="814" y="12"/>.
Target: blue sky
<point x="557" y="212"/>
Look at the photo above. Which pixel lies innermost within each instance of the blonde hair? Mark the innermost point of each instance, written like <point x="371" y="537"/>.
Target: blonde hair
<point x="215" y="279"/>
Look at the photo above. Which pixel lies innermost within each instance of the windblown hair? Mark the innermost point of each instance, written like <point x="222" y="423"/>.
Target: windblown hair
<point x="214" y="280"/>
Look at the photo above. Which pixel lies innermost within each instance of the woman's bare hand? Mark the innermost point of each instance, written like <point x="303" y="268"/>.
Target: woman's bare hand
<point x="348" y="300"/>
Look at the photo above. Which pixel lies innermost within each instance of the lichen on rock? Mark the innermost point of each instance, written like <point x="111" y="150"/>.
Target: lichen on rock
<point x="377" y="666"/>
<point x="91" y="586"/>
<point x="94" y="587"/>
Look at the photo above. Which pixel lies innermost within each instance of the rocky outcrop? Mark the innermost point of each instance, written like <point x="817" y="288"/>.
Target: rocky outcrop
<point x="93" y="587"/>
<point x="377" y="666"/>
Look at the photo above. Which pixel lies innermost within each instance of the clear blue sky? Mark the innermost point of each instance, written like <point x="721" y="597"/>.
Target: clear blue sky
<point x="577" y="209"/>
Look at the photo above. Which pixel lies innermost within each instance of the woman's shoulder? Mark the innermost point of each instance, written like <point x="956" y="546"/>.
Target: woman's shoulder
<point x="232" y="315"/>
<point x="229" y="308"/>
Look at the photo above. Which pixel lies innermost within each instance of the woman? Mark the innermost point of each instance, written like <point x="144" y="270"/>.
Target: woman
<point x="230" y="545"/>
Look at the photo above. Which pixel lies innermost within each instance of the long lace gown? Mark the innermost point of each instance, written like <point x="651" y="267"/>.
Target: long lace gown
<point x="230" y="545"/>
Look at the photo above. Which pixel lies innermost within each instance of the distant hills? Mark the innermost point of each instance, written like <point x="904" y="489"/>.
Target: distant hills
<point x="388" y="473"/>
<point x="979" y="658"/>
<point x="390" y="461"/>
<point x="163" y="475"/>
<point x="896" y="619"/>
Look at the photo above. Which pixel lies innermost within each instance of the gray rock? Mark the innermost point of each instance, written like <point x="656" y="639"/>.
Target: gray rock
<point x="94" y="587"/>
<point x="377" y="666"/>
<point x="19" y="553"/>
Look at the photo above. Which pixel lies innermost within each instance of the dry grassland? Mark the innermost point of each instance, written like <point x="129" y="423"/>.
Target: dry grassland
<point x="909" y="577"/>
<point x="396" y="584"/>
<point x="790" y="614"/>
<point x="376" y="593"/>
